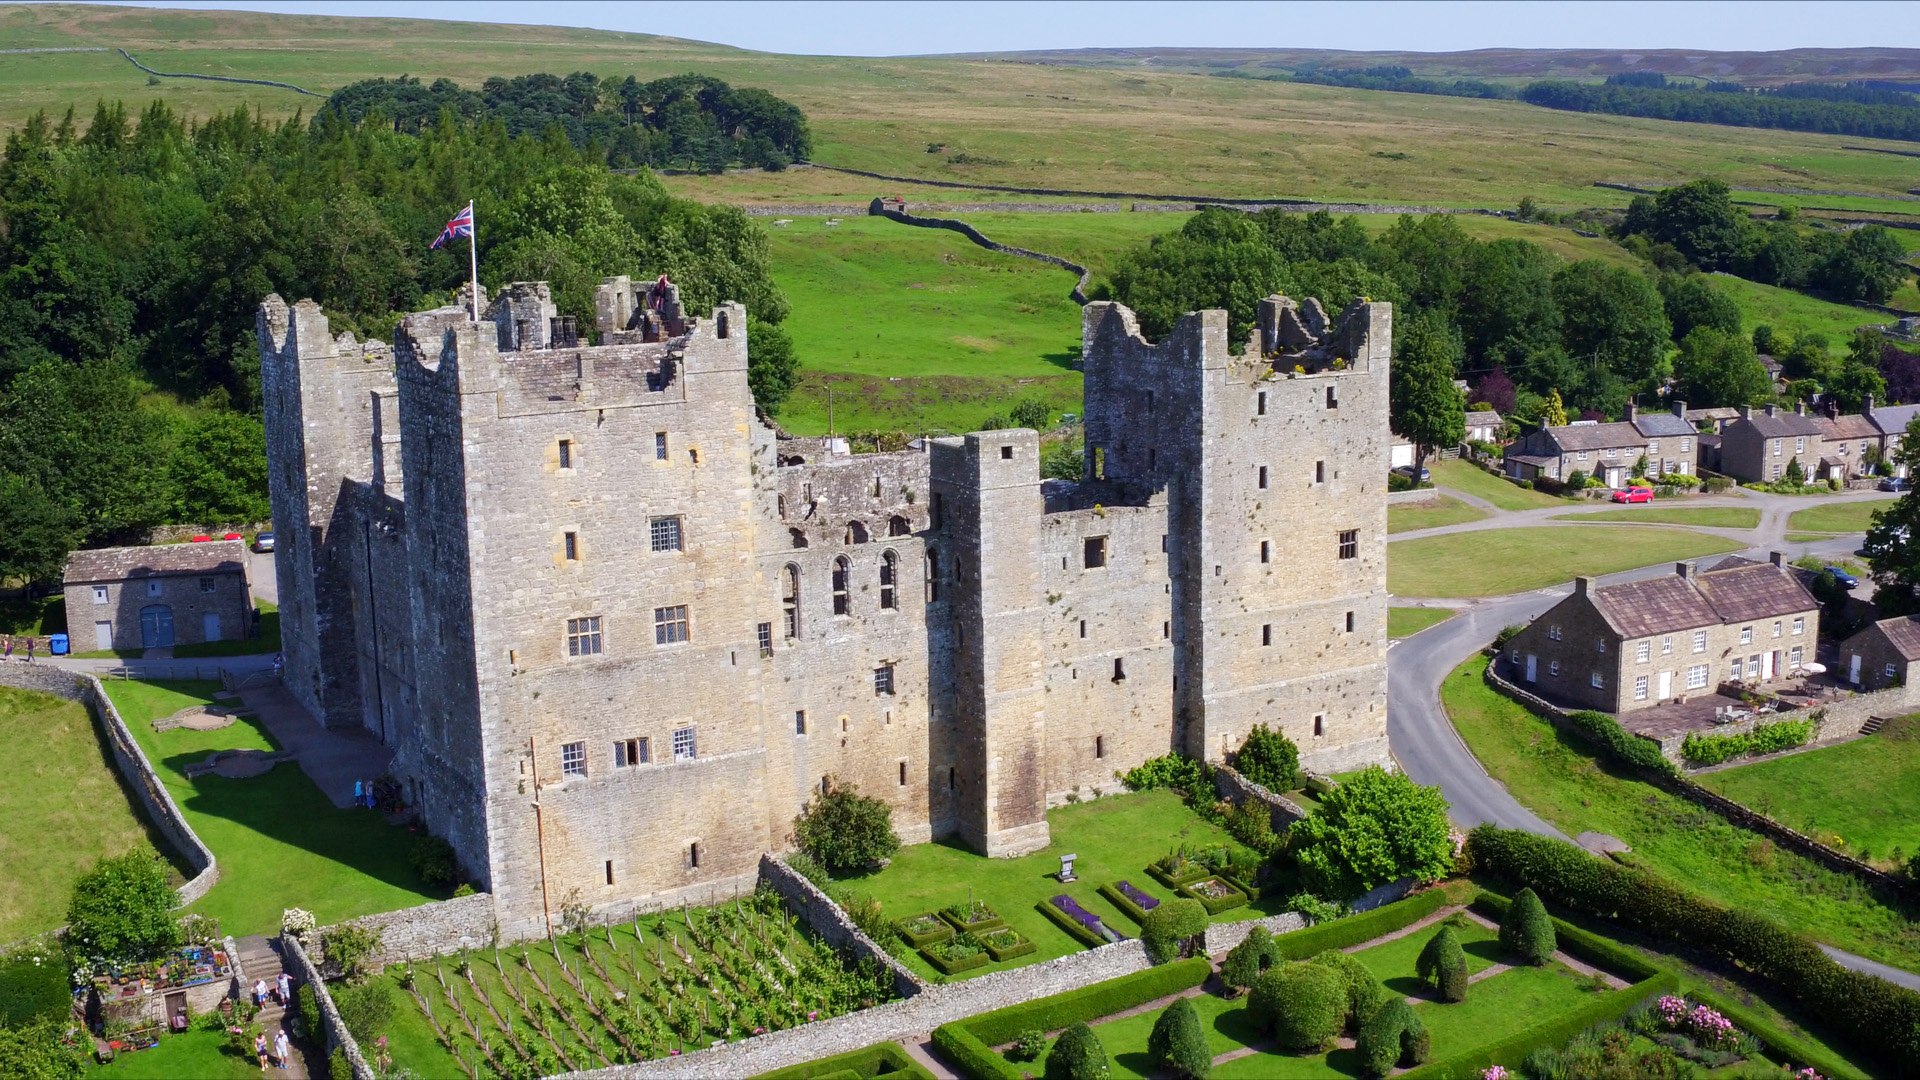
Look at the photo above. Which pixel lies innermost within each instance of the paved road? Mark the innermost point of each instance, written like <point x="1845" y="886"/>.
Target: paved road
<point x="1431" y="752"/>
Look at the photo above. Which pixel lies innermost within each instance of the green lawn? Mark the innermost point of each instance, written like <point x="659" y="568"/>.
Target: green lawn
<point x="280" y="842"/>
<point x="1433" y="513"/>
<point x="63" y="809"/>
<point x="1094" y="240"/>
<point x="918" y="329"/>
<point x="1712" y="517"/>
<point x="1558" y="778"/>
<point x="1499" y="561"/>
<point x="1408" y="621"/>
<point x="1864" y="793"/>
<point x="1793" y="314"/>
<point x="1115" y="836"/>
<point x="1472" y="479"/>
<point x="202" y="1055"/>
<point x="1845" y="517"/>
<point x="267" y="640"/>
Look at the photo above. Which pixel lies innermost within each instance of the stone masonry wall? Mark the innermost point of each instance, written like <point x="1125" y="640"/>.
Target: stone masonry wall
<point x="156" y="803"/>
<point x="336" y="1035"/>
<point x="1238" y="789"/>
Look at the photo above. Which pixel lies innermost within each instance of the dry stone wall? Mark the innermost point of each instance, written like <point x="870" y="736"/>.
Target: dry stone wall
<point x="335" y="1036"/>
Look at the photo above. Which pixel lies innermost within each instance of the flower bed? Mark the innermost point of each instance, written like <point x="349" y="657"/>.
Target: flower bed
<point x="1177" y="867"/>
<point x="962" y="952"/>
<point x="1214" y="894"/>
<point x="1005" y="943"/>
<point x="1123" y="895"/>
<point x="923" y="929"/>
<point x="1078" y="921"/>
<point x="972" y="916"/>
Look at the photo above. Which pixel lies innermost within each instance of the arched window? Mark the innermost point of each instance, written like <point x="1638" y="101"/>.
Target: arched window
<point x="898" y="526"/>
<point x="842" y="571"/>
<point x="790" y="599"/>
<point x="856" y="532"/>
<point x="889" y="568"/>
<point x="933" y="575"/>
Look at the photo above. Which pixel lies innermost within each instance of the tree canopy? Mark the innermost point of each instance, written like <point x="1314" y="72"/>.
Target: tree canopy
<point x="1374" y="828"/>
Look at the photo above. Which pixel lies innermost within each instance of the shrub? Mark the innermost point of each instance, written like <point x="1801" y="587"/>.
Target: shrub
<point x="122" y="909"/>
<point x="1576" y="479"/>
<point x="307" y="1004"/>
<point x="845" y="830"/>
<point x="1168" y="930"/>
<point x="1247" y="960"/>
<point x="1178" y="1045"/>
<point x="338" y="1067"/>
<point x="1714" y="485"/>
<point x="432" y="858"/>
<point x="1170" y="771"/>
<point x="1315" y="909"/>
<point x="1443" y="963"/>
<point x="297" y="921"/>
<point x="1077" y="1056"/>
<point x="1617" y="742"/>
<point x="1365" y="994"/>
<point x="1374" y="828"/>
<point x="1303" y="1006"/>
<point x="1767" y="738"/>
<point x="366" y="1008"/>
<point x="1029" y="1046"/>
<point x="1269" y="759"/>
<point x="348" y="947"/>
<point x="1251" y="823"/>
<point x="1392" y="1036"/>
<point x="1527" y="931"/>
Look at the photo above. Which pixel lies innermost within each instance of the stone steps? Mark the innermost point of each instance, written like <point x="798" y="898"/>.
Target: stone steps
<point x="260" y="959"/>
<point x="1873" y="725"/>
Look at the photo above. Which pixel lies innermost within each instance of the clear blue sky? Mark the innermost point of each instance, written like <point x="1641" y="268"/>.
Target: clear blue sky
<point x="886" y="29"/>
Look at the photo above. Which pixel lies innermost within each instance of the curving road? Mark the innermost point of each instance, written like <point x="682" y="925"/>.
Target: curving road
<point x="1430" y="750"/>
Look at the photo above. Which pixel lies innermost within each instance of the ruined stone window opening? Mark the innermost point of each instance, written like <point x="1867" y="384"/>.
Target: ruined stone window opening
<point x="563" y="332"/>
<point x="1266" y="634"/>
<point x="1261" y="483"/>
<point x="1099" y="463"/>
<point x="883" y="680"/>
<point x="857" y="532"/>
<point x="936" y="510"/>
<point x="1350" y="544"/>
<point x="898" y="526"/>
<point x="1333" y="398"/>
<point x="1266" y="551"/>
<point x="1096" y="552"/>
<point x="1006" y="453"/>
<point x="670" y="625"/>
<point x="764" y="632"/>
<point x="1319" y="724"/>
<point x="628" y="753"/>
<point x="566" y="453"/>
<point x="953" y="777"/>
<point x="693" y="456"/>
<point x="664" y="533"/>
<point x="1119" y="670"/>
<point x="1260" y="403"/>
<point x="889" y="572"/>
<point x="790" y="600"/>
<point x="1099" y="746"/>
<point x="573" y="759"/>
<point x="583" y="636"/>
<point x="797" y="537"/>
<point x="659" y="446"/>
<point x="721" y="326"/>
<point x="522" y="332"/>
<point x="842" y="570"/>
<point x="571" y="541"/>
<point x="799" y="721"/>
<point x="684" y="748"/>
<point x="933" y="575"/>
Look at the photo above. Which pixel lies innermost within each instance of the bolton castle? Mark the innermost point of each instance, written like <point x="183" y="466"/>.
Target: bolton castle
<point x="618" y="628"/>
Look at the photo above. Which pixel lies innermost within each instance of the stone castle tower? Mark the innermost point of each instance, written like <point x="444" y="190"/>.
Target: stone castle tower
<point x="618" y="628"/>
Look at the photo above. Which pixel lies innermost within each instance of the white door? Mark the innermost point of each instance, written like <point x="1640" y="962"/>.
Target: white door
<point x="1853" y="669"/>
<point x="210" y="626"/>
<point x="103" y="635"/>
<point x="1766" y="665"/>
<point x="1666" y="685"/>
<point x="1533" y="665"/>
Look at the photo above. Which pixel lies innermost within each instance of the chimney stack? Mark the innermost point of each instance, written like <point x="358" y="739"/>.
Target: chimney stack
<point x="1680" y="409"/>
<point x="1776" y="558"/>
<point x="1866" y="404"/>
<point x="1773" y="410"/>
<point x="1684" y="569"/>
<point x="1633" y="410"/>
<point x="1582" y="586"/>
<point x="1746" y="411"/>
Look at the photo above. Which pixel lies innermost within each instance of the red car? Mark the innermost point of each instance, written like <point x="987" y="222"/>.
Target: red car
<point x="1633" y="495"/>
<point x="233" y="536"/>
<point x="201" y="539"/>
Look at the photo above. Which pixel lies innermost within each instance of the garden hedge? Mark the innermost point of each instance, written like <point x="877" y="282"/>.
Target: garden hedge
<point x="1079" y="933"/>
<point x="1111" y="891"/>
<point x="954" y="967"/>
<point x="1511" y="1050"/>
<point x="878" y="1060"/>
<point x="1792" y="1049"/>
<point x="941" y="931"/>
<point x="1578" y="942"/>
<point x="1355" y="929"/>
<point x="1870" y="1012"/>
<point x="1019" y="948"/>
<point x="1606" y="732"/>
<point x="1214" y="906"/>
<point x="969" y="1043"/>
<point x="1172" y="881"/>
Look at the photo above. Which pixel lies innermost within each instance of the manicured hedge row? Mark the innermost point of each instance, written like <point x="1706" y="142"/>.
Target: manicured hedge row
<point x="955" y="967"/>
<point x="1577" y="941"/>
<point x="1791" y="1049"/>
<point x="969" y="1043"/>
<point x="1355" y="929"/>
<point x="878" y="1060"/>
<point x="1215" y="905"/>
<point x="1513" y="1049"/>
<point x="1606" y="732"/>
<point x="1111" y="891"/>
<point x="1080" y="933"/>
<point x="1870" y="1012"/>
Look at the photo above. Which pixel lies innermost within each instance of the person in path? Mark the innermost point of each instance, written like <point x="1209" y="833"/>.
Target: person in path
<point x="286" y="989"/>
<point x="281" y="1051"/>
<point x="29" y="650"/>
<point x="260" y="1049"/>
<point x="259" y="993"/>
<point x="6" y="643"/>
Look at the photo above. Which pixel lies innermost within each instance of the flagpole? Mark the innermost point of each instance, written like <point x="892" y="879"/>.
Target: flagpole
<point x="473" y="257"/>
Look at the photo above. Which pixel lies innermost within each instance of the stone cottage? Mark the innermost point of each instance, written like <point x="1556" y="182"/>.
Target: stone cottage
<point x="159" y="596"/>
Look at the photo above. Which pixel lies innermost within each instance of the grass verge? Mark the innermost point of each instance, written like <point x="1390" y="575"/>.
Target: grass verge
<point x="1462" y="476"/>
<point x="1431" y="514"/>
<point x="1846" y="517"/>
<point x="1408" y="621"/>
<point x="1711" y="517"/>
<point x="1498" y="561"/>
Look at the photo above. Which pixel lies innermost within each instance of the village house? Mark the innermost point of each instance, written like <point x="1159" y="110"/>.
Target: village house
<point x="1483" y="425"/>
<point x="158" y="597"/>
<point x="1715" y="419"/>
<point x="1757" y="447"/>
<point x="1848" y="443"/>
<point x="1878" y="657"/>
<point x="1609" y="452"/>
<point x="1890" y="422"/>
<point x="1617" y="648"/>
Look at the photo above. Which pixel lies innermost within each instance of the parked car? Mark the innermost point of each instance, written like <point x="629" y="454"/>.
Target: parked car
<point x="1894" y="483"/>
<point x="1633" y="495"/>
<point x="1426" y="474"/>
<point x="200" y="539"/>
<point x="263" y="542"/>
<point x="1845" y="579"/>
<point x="232" y="536"/>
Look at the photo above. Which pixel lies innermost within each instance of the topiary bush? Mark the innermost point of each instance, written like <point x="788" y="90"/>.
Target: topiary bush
<point x="1178" y="1045"/>
<point x="1249" y="959"/>
<point x="1393" y="1036"/>
<point x="845" y="830"/>
<point x="1269" y="759"/>
<point x="1302" y="1005"/>
<point x="1077" y="1056"/>
<point x="1169" y="929"/>
<point x="1527" y="931"/>
<point x="1443" y="964"/>
<point x="1365" y="994"/>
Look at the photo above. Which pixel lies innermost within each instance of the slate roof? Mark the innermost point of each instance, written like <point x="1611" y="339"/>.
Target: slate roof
<point x="1893" y="419"/>
<point x="1846" y="426"/>
<point x="1663" y="425"/>
<point x="1780" y="424"/>
<point x="1725" y="594"/>
<point x="1483" y="418"/>
<point x="1541" y="460"/>
<point x="1575" y="437"/>
<point x="1903" y="632"/>
<point x="161" y="560"/>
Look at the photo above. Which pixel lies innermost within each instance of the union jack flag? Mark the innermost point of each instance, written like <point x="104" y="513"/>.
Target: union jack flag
<point x="461" y="225"/>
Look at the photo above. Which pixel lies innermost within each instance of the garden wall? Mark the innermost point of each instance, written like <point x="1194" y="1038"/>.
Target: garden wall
<point x="429" y="930"/>
<point x="1238" y="789"/>
<point x="155" y="802"/>
<point x="1843" y="715"/>
<point x="1079" y="293"/>
<point x="826" y="918"/>
<point x="336" y="1035"/>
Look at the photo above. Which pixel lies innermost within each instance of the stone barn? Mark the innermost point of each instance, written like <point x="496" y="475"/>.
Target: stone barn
<point x="158" y="597"/>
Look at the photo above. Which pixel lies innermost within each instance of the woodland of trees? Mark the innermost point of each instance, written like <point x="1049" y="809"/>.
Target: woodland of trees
<point x="135" y="250"/>
<point x="684" y="122"/>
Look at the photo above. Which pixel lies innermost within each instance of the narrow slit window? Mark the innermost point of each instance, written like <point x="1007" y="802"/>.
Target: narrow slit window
<point x="609" y="871"/>
<point x="693" y="855"/>
<point x="1319" y="472"/>
<point x="1320" y="724"/>
<point x="1349" y="622"/>
<point x="842" y="570"/>
<point x="799" y="721"/>
<point x="572" y="542"/>
<point x="566" y="453"/>
<point x="903" y="774"/>
<point x="1260" y="403"/>
<point x="1099" y="746"/>
<point x="659" y="446"/>
<point x="1266" y="634"/>
<point x="1266" y="551"/>
<point x="1261" y="483"/>
<point x="1333" y="398"/>
<point x="889" y="575"/>
<point x="1119" y="670"/>
<point x="790" y="600"/>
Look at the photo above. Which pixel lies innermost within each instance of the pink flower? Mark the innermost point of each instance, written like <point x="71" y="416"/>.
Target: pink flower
<point x="673" y="1053"/>
<point x="1495" y="1072"/>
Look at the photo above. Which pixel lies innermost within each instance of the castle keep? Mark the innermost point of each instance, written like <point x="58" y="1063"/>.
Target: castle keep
<point x="618" y="628"/>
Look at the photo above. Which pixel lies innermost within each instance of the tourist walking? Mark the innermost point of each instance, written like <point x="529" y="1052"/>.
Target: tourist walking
<point x="29" y="650"/>
<point x="259" y="993"/>
<point x="6" y="643"/>
<point x="260" y="1049"/>
<point x="281" y="1050"/>
<point x="286" y="990"/>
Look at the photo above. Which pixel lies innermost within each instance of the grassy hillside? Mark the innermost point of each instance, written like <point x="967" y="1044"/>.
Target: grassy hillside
<point x="1016" y="123"/>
